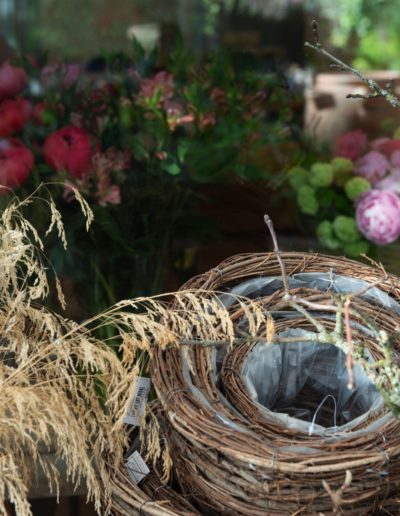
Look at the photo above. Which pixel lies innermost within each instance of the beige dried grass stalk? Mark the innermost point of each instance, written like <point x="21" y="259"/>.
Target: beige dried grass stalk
<point x="51" y="373"/>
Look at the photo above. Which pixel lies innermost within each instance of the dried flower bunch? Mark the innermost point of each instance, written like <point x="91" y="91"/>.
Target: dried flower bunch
<point x="52" y="372"/>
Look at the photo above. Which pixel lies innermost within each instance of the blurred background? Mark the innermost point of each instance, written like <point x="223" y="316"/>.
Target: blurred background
<point x="231" y="166"/>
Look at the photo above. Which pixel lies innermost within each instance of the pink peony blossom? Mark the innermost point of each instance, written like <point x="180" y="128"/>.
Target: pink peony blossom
<point x="373" y="166"/>
<point x="351" y="145"/>
<point x="16" y="163"/>
<point x="12" y="80"/>
<point x="13" y="115"/>
<point x="378" y="216"/>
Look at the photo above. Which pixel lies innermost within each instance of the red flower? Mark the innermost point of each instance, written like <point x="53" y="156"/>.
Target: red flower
<point x="70" y="148"/>
<point x="16" y="162"/>
<point x="13" y="115"/>
<point x="12" y="80"/>
<point x="351" y="145"/>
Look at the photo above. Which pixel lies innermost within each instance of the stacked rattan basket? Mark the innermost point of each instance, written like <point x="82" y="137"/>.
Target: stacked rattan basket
<point x="229" y="457"/>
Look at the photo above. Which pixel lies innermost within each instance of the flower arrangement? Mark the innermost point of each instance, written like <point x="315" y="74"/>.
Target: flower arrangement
<point x="134" y="139"/>
<point x="354" y="196"/>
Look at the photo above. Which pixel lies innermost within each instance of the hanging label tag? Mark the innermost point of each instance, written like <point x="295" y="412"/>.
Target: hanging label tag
<point x="137" y="407"/>
<point x="136" y="467"/>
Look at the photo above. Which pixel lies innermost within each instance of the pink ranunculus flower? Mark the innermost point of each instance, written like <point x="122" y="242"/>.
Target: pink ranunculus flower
<point x="373" y="166"/>
<point x="16" y="163"/>
<point x="351" y="145"/>
<point x="12" y="80"/>
<point x="378" y="216"/>
<point x="14" y="113"/>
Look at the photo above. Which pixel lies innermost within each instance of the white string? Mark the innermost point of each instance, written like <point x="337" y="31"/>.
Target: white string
<point x="311" y="429"/>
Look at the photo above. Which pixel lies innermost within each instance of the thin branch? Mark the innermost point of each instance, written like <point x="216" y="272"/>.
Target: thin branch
<point x="271" y="229"/>
<point x="376" y="90"/>
<point x="350" y="345"/>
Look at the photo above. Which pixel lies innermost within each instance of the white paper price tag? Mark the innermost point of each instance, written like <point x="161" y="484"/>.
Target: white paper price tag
<point x="137" y="407"/>
<point x="136" y="467"/>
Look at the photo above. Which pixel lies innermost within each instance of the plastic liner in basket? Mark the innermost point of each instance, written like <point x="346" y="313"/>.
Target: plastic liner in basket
<point x="232" y="452"/>
<point x="299" y="382"/>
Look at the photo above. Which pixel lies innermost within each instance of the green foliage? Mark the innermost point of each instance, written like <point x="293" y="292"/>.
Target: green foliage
<point x="297" y="177"/>
<point x="326" y="235"/>
<point x="342" y="165"/>
<point x="345" y="229"/>
<point x="321" y="175"/>
<point x="357" y="248"/>
<point x="307" y="200"/>
<point x="356" y="186"/>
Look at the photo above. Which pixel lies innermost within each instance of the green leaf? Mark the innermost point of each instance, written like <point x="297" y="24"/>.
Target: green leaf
<point x="183" y="148"/>
<point x="172" y="168"/>
<point x="139" y="150"/>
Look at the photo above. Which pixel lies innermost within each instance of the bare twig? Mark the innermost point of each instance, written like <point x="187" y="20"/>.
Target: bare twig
<point x="271" y="229"/>
<point x="376" y="90"/>
<point x="350" y="345"/>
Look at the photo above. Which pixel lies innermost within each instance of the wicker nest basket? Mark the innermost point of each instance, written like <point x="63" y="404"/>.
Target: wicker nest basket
<point x="231" y="455"/>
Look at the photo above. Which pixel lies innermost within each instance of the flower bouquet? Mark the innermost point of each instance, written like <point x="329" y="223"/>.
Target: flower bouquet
<point x="354" y="197"/>
<point x="135" y="139"/>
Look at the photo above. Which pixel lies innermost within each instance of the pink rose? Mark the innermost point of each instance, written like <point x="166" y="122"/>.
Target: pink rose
<point x="373" y="166"/>
<point x="378" y="216"/>
<point x="13" y="115"/>
<point x="12" y="80"/>
<point x="16" y="163"/>
<point x="70" y="148"/>
<point x="351" y="145"/>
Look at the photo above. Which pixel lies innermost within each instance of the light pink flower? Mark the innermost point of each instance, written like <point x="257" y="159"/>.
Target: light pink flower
<point x="54" y="74"/>
<point x="351" y="145"/>
<point x="378" y="143"/>
<point x="395" y="158"/>
<point x="378" y="216"/>
<point x="373" y="166"/>
<point x="207" y="119"/>
<point x="112" y="196"/>
<point x="162" y="84"/>
<point x="390" y="182"/>
<point x="12" y="80"/>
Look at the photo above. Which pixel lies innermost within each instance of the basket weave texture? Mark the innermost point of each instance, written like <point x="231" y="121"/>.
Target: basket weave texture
<point x="228" y="458"/>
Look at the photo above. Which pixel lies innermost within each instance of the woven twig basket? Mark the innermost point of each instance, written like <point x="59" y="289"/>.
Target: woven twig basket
<point x="230" y="460"/>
